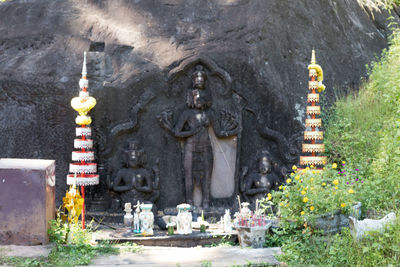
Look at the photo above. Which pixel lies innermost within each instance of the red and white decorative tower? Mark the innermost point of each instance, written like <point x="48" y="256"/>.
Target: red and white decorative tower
<point x="83" y="171"/>
<point x="313" y="136"/>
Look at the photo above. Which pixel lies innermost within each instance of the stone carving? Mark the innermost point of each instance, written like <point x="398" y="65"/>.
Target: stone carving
<point x="193" y="126"/>
<point x="134" y="182"/>
<point x="358" y="228"/>
<point x="259" y="182"/>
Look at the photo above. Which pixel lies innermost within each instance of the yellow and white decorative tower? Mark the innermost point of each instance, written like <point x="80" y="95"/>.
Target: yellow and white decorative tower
<point x="313" y="135"/>
<point x="83" y="172"/>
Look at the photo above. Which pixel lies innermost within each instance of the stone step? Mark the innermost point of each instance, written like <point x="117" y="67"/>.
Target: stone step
<point x="197" y="256"/>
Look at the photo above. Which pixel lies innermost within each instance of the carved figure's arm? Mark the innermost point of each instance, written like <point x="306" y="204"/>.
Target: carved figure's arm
<point x="121" y="188"/>
<point x="180" y="132"/>
<point x="243" y="174"/>
<point x="226" y="125"/>
<point x="156" y="171"/>
<point x="254" y="191"/>
<point x="148" y="188"/>
<point x="166" y="121"/>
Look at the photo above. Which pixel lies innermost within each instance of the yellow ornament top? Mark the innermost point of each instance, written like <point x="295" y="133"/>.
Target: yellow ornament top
<point x="317" y="68"/>
<point x="83" y="103"/>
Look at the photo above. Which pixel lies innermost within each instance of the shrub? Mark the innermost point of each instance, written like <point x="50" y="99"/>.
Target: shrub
<point x="310" y="192"/>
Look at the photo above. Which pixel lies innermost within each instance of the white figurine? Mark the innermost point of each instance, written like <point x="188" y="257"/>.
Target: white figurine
<point x="128" y="218"/>
<point x="359" y="228"/>
<point x="184" y="219"/>
<point x="146" y="219"/>
<point x="227" y="221"/>
<point x="136" y="222"/>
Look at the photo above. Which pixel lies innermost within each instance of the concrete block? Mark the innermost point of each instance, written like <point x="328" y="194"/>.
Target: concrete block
<point x="27" y="200"/>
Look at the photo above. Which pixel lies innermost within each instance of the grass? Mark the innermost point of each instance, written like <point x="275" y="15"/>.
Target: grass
<point x="362" y="129"/>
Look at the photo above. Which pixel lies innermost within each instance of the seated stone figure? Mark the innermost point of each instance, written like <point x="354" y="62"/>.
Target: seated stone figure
<point x="256" y="184"/>
<point x="134" y="182"/>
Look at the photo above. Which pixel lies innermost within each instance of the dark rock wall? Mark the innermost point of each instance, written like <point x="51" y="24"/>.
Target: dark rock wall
<point x="265" y="46"/>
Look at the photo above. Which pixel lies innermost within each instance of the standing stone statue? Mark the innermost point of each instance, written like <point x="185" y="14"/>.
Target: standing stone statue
<point x="192" y="126"/>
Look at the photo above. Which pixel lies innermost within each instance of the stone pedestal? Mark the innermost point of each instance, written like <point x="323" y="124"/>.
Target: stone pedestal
<point x="252" y="236"/>
<point x="27" y="200"/>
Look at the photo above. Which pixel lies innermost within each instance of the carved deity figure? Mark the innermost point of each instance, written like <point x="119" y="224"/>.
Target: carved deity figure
<point x="257" y="184"/>
<point x="192" y="126"/>
<point x="134" y="181"/>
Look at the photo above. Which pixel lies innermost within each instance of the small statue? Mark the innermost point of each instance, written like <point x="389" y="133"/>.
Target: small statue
<point x="358" y="229"/>
<point x="192" y="125"/>
<point x="184" y="220"/>
<point x="146" y="219"/>
<point x="136" y="222"/>
<point x="133" y="181"/>
<point x="227" y="221"/>
<point x="260" y="182"/>
<point x="128" y="218"/>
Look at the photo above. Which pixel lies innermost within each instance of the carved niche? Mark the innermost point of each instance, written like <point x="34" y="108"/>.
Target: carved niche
<point x="208" y="128"/>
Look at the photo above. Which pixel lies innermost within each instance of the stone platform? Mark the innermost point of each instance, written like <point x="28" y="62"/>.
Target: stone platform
<point x="160" y="238"/>
<point x="197" y="256"/>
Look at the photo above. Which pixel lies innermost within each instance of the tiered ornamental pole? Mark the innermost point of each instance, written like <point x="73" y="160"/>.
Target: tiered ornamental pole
<point x="313" y="135"/>
<point x="83" y="171"/>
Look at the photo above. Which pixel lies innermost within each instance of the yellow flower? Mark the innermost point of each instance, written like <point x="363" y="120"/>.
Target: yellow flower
<point x="335" y="182"/>
<point x="269" y="196"/>
<point x="351" y="191"/>
<point x="302" y="212"/>
<point x="284" y="188"/>
<point x="312" y="188"/>
<point x="343" y="162"/>
<point x="312" y="166"/>
<point x="312" y="208"/>
<point x="313" y="172"/>
<point x="297" y="177"/>
<point x="292" y="174"/>
<point x="294" y="167"/>
<point x="336" y="187"/>
<point x="287" y="195"/>
<point x="288" y="181"/>
<point x="323" y="184"/>
<point x="280" y="187"/>
<point x="343" y="205"/>
<point x="303" y="192"/>
<point x="307" y="168"/>
<point x="305" y="199"/>
<point x="334" y="166"/>
<point x="287" y="205"/>
<point x="312" y="180"/>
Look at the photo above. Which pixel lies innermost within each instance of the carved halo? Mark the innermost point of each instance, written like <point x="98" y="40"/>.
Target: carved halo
<point x="191" y="62"/>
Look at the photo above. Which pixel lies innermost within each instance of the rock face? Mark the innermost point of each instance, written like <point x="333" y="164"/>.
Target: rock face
<point x="263" y="47"/>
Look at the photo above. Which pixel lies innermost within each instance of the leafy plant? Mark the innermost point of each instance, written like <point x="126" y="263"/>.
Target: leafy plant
<point x="310" y="192"/>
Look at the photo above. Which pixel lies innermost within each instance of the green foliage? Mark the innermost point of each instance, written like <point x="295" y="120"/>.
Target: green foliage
<point x="377" y="249"/>
<point x="364" y="129"/>
<point x="63" y="233"/>
<point x="310" y="193"/>
<point x="377" y="4"/>
<point x="24" y="262"/>
<point x="73" y="244"/>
